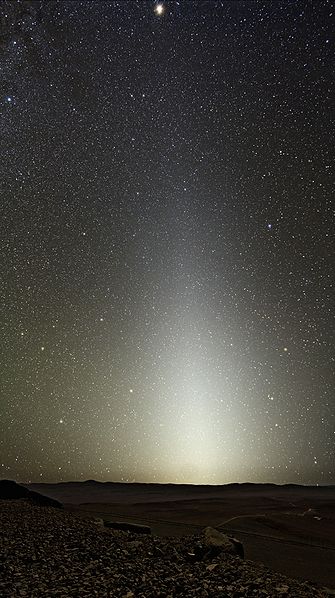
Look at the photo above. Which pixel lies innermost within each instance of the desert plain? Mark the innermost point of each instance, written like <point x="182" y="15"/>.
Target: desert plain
<point x="289" y="528"/>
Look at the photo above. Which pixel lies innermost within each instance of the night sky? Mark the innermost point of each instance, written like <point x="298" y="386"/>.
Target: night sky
<point x="166" y="241"/>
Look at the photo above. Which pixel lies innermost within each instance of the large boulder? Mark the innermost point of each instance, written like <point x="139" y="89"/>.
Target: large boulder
<point x="216" y="543"/>
<point x="10" y="490"/>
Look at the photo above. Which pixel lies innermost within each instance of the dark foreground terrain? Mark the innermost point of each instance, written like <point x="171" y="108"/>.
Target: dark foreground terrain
<point x="290" y="529"/>
<point x="47" y="552"/>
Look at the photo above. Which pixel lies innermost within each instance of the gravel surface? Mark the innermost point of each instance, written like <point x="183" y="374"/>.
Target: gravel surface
<point x="47" y="552"/>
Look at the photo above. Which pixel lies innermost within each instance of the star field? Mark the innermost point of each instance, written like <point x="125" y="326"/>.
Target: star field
<point x="167" y="241"/>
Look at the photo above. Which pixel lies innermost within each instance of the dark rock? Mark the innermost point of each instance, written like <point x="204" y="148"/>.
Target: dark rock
<point x="10" y="490"/>
<point x="128" y="526"/>
<point x="238" y="546"/>
<point x="198" y="553"/>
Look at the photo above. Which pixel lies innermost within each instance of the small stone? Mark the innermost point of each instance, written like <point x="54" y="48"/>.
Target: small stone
<point x="282" y="589"/>
<point x="212" y="566"/>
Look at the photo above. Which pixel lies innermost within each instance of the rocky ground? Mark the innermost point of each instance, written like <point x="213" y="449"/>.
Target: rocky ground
<point x="47" y="552"/>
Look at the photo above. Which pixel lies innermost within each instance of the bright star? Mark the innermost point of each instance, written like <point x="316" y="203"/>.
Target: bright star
<point x="159" y="9"/>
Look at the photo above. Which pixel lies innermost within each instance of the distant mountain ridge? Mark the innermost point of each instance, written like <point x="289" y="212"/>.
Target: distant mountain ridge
<point x="92" y="491"/>
<point x="176" y="485"/>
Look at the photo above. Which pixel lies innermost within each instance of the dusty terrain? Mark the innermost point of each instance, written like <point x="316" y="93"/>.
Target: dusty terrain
<point x="290" y="529"/>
